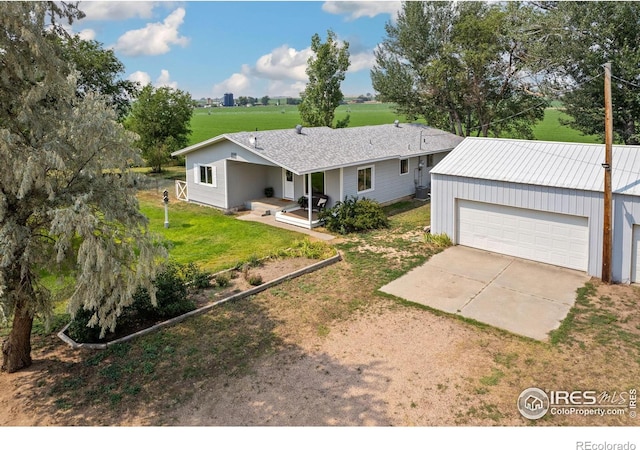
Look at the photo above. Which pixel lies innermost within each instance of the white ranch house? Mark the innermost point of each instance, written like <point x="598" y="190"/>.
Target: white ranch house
<point x="541" y="201"/>
<point x="384" y="162"/>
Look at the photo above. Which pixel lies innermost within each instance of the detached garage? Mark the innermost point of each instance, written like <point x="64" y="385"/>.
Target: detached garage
<point x="541" y="201"/>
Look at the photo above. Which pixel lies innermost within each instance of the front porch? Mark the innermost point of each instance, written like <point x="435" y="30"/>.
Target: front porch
<point x="269" y="205"/>
<point x="285" y="211"/>
<point x="298" y="217"/>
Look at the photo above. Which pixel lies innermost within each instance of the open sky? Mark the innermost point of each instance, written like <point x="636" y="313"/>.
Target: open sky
<point x="248" y="48"/>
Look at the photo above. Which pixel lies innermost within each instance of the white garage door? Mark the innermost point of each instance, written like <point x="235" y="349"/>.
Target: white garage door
<point x="551" y="238"/>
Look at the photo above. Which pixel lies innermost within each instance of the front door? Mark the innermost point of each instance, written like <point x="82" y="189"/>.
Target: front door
<point x="287" y="179"/>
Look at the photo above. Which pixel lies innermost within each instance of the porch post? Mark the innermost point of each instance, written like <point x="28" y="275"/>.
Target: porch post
<point x="310" y="201"/>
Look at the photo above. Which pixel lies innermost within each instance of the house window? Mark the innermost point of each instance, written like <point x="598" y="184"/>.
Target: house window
<point x="429" y="160"/>
<point x="365" y="179"/>
<point x="206" y="175"/>
<point x="404" y="166"/>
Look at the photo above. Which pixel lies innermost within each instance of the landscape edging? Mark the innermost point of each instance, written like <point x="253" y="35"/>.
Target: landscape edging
<point x="313" y="267"/>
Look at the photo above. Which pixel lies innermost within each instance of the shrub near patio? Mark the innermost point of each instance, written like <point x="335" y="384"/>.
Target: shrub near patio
<point x="354" y="215"/>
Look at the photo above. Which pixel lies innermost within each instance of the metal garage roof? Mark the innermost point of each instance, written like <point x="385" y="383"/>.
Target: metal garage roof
<point x="557" y="164"/>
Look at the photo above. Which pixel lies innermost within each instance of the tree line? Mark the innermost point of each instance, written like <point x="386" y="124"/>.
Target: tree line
<point x="479" y="68"/>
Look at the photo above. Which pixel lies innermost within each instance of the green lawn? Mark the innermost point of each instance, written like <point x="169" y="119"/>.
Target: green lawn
<point x="211" y="239"/>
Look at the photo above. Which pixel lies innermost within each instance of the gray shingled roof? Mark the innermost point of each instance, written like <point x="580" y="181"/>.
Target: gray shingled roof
<point x="558" y="164"/>
<point x="323" y="148"/>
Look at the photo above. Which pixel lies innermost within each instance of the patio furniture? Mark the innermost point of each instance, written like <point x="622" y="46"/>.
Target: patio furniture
<point x="318" y="202"/>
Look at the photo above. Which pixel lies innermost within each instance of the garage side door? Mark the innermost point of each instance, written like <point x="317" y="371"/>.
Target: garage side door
<point x="551" y="238"/>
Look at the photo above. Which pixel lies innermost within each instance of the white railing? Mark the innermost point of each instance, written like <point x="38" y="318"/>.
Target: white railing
<point x="181" y="190"/>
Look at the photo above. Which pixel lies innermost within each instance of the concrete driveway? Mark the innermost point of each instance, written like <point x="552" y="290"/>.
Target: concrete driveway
<point x="520" y="296"/>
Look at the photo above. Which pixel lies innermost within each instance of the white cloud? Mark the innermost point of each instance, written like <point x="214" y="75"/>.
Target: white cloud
<point x="284" y="63"/>
<point x="238" y="83"/>
<point x="110" y="10"/>
<point x="154" y="39"/>
<point x="140" y="77"/>
<point x="361" y="61"/>
<point x="164" y="80"/>
<point x="281" y="72"/>
<point x="357" y="9"/>
<point x="87" y="34"/>
<point x="285" y="88"/>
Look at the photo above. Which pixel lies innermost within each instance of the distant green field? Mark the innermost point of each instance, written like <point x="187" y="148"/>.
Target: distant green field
<point x="550" y="129"/>
<point x="209" y="122"/>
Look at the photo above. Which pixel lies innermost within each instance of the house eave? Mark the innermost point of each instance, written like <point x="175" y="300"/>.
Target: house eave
<point x="199" y="145"/>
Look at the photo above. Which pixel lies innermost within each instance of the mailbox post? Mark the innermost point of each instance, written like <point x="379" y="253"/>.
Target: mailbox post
<point x="165" y="199"/>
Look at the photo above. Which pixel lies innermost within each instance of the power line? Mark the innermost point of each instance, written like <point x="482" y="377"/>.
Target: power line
<point x="625" y="81"/>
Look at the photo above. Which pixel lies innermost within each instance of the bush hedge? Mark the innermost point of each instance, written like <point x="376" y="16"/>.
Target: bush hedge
<point x="172" y="284"/>
<point x="353" y="215"/>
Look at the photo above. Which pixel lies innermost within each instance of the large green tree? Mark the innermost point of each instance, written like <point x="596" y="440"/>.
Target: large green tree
<point x="67" y="202"/>
<point x="99" y="72"/>
<point x="326" y="70"/>
<point x="576" y="40"/>
<point x="161" y="117"/>
<point x="461" y="67"/>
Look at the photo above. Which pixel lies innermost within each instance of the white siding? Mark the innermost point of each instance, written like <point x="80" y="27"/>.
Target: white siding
<point x="626" y="218"/>
<point x="217" y="155"/>
<point x="204" y="193"/>
<point x="446" y="190"/>
<point x="245" y="182"/>
<point x="635" y="255"/>
<point x="389" y="185"/>
<point x="332" y="186"/>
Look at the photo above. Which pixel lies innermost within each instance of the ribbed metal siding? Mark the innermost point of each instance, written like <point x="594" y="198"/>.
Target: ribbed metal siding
<point x="445" y="190"/>
<point x="626" y="214"/>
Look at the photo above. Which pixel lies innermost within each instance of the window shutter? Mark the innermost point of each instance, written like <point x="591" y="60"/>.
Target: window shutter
<point x="196" y="174"/>
<point x="214" y="176"/>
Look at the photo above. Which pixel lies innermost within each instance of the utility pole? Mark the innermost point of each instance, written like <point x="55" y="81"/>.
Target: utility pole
<point x="608" y="146"/>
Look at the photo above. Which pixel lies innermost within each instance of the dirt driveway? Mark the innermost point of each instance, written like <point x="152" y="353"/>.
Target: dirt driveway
<point x="399" y="367"/>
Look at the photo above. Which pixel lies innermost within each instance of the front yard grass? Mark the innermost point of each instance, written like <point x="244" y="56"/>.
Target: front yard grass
<point x="208" y="237"/>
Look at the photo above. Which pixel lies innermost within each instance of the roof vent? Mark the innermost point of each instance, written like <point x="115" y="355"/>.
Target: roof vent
<point x="396" y="123"/>
<point x="299" y="129"/>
